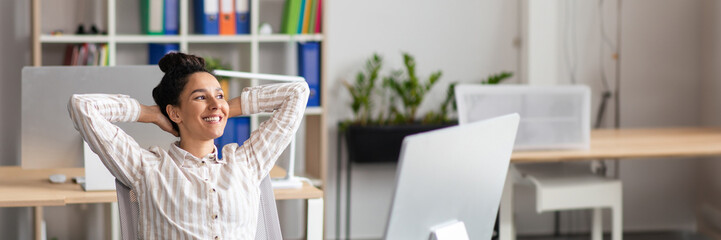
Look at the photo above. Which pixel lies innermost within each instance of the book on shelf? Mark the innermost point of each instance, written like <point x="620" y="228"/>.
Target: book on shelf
<point x="237" y="130"/>
<point x="152" y="16"/>
<point x="309" y="68"/>
<point x="156" y="51"/>
<point x="312" y="18"/>
<point x="206" y="14"/>
<point x="301" y="11"/>
<point x="318" y="16"/>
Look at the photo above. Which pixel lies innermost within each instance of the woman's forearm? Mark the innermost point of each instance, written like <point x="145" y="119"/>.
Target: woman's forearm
<point x="234" y="107"/>
<point x="149" y="114"/>
<point x="152" y="114"/>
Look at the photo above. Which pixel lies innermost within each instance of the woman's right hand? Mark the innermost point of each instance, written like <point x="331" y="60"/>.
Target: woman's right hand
<point x="152" y="114"/>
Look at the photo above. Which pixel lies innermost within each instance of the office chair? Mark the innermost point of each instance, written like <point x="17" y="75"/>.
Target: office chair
<point x="268" y="224"/>
<point x="548" y="117"/>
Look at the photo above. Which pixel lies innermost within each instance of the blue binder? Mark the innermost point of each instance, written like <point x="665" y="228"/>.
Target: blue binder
<point x="156" y="51"/>
<point x="242" y="18"/>
<point x="237" y="130"/>
<point x="206" y="14"/>
<point x="309" y="68"/>
<point x="171" y="17"/>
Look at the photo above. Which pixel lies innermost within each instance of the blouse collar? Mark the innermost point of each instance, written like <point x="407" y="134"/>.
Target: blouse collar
<point x="185" y="159"/>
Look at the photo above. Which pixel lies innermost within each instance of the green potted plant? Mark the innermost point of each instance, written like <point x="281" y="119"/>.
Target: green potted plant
<point x="379" y="138"/>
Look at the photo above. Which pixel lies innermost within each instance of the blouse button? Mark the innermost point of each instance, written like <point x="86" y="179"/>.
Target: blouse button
<point x="213" y="189"/>
<point x="215" y="216"/>
<point x="216" y="237"/>
<point x="203" y="162"/>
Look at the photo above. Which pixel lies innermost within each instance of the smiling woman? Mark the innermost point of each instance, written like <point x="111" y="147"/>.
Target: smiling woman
<point x="187" y="191"/>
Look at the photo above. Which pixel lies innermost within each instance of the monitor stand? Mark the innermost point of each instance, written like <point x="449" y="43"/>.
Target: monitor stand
<point x="455" y="230"/>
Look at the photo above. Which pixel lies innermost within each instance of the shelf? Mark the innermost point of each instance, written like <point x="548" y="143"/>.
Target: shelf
<point x="313" y="111"/>
<point x="219" y="38"/>
<point x="147" y="38"/>
<point x="45" y="38"/>
<point x="289" y="38"/>
<point x="177" y="39"/>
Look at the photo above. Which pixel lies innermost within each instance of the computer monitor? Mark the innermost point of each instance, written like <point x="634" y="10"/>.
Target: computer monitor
<point x="48" y="138"/>
<point x="452" y="174"/>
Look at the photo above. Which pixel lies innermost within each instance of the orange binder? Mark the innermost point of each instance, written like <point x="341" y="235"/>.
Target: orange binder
<point x="226" y="24"/>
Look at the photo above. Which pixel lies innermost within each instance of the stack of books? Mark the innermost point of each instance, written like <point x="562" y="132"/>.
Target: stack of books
<point x="86" y="54"/>
<point x="301" y="17"/>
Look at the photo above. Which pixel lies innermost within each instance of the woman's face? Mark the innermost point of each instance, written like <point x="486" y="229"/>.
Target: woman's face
<point x="203" y="110"/>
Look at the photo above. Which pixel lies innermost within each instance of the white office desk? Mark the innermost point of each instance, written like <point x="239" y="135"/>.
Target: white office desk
<point x="618" y="144"/>
<point x="31" y="188"/>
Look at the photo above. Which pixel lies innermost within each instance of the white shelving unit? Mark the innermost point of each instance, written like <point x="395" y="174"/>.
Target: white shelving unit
<point x="315" y="137"/>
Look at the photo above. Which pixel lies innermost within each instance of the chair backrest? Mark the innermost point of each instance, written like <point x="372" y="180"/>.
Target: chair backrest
<point x="268" y="224"/>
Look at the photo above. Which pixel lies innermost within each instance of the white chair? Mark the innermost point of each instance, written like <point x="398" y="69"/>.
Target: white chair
<point x="268" y="224"/>
<point x="552" y="117"/>
<point x="570" y="186"/>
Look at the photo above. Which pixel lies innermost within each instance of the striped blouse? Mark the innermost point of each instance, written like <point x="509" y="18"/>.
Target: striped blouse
<point x="181" y="196"/>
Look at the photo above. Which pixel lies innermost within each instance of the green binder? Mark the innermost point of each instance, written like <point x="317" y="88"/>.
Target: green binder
<point x="152" y="16"/>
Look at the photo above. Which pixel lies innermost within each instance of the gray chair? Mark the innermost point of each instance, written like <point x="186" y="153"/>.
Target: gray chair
<point x="268" y="224"/>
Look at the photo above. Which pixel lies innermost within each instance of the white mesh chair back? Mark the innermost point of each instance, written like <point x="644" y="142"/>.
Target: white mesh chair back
<point x="552" y="117"/>
<point x="268" y="224"/>
<point x="128" y="211"/>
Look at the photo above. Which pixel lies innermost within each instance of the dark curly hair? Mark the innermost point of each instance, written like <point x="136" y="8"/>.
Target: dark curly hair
<point x="177" y="67"/>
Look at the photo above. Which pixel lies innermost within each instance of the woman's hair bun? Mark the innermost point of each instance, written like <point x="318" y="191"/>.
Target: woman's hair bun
<point x="180" y="61"/>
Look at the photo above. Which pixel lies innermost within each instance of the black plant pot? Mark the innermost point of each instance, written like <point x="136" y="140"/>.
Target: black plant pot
<point x="378" y="144"/>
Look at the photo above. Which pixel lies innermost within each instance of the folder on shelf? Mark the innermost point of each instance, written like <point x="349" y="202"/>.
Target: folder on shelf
<point x="225" y="85"/>
<point x="318" y="16"/>
<point x="237" y="130"/>
<point x="76" y="53"/>
<point x="309" y="68"/>
<point x="156" y="51"/>
<point x="291" y="13"/>
<point x="103" y="60"/>
<point x="306" y="16"/>
<point x="311" y="21"/>
<point x="172" y="10"/>
<point x="82" y="54"/>
<point x="206" y="13"/>
<point x="68" y="58"/>
<point x="151" y="12"/>
<point x="301" y="16"/>
<point x="92" y="55"/>
<point x="242" y="16"/>
<point x="227" y="17"/>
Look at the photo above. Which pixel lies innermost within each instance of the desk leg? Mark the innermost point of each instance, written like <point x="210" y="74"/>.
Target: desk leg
<point x="38" y="222"/>
<point x="506" y="229"/>
<point x="114" y="221"/>
<point x="315" y="219"/>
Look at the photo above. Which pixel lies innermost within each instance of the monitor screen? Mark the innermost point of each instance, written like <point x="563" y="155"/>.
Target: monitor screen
<point x="452" y="174"/>
<point x="48" y="138"/>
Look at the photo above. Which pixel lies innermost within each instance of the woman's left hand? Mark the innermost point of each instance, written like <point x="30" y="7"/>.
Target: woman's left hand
<point x="152" y="114"/>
